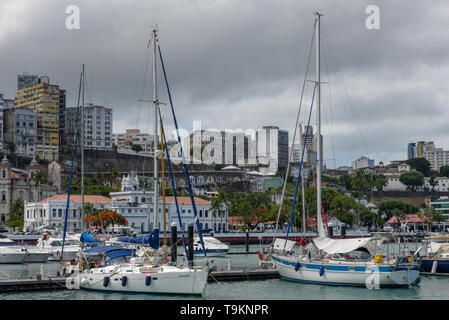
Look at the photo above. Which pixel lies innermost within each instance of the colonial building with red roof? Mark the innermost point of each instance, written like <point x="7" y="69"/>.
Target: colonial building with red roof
<point x="51" y="211"/>
<point x="137" y="207"/>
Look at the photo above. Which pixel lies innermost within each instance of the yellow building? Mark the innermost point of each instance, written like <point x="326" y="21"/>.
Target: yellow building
<point x="43" y="98"/>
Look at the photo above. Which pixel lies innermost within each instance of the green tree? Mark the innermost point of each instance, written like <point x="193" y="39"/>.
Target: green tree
<point x="38" y="177"/>
<point x="345" y="180"/>
<point x="359" y="182"/>
<point x="16" y="214"/>
<point x="217" y="203"/>
<point x="386" y="208"/>
<point x="136" y="147"/>
<point x="412" y="179"/>
<point x="432" y="182"/>
<point x="380" y="182"/>
<point x="368" y="218"/>
<point x="420" y="164"/>
<point x="444" y="171"/>
<point x="11" y="147"/>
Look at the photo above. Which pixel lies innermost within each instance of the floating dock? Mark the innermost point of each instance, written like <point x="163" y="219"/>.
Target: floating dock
<point x="242" y="275"/>
<point x="55" y="283"/>
<point x="58" y="283"/>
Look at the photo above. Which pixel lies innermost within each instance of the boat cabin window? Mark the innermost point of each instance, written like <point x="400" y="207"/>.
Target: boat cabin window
<point x="56" y="243"/>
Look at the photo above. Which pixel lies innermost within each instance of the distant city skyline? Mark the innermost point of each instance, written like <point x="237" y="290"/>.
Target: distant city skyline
<point x="241" y="65"/>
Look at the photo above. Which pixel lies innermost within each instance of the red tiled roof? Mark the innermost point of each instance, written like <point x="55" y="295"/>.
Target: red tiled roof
<point x="186" y="200"/>
<point x="311" y="221"/>
<point x="235" y="220"/>
<point x="410" y="218"/>
<point x="77" y="198"/>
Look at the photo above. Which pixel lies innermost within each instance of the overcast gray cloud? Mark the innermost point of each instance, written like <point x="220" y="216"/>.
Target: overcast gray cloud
<point x="240" y="64"/>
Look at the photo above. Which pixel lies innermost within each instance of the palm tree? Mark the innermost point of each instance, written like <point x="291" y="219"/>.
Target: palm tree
<point x="217" y="204"/>
<point x="38" y="177"/>
<point x="16" y="212"/>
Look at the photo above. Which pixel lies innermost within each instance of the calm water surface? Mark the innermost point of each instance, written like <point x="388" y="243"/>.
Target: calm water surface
<point x="430" y="287"/>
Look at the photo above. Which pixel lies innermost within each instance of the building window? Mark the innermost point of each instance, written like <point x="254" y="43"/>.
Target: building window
<point x="205" y="214"/>
<point x="201" y="213"/>
<point x="54" y="213"/>
<point x="4" y="174"/>
<point x="59" y="212"/>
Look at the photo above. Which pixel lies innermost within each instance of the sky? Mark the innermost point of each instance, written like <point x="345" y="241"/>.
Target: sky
<point x="235" y="64"/>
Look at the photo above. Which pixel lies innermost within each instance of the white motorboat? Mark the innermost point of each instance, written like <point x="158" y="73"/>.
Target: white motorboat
<point x="33" y="254"/>
<point x="214" y="247"/>
<point x="53" y="246"/>
<point x="12" y="255"/>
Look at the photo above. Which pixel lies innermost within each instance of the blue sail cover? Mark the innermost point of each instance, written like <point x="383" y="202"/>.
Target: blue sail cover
<point x="141" y="239"/>
<point x="87" y="238"/>
<point x="154" y="239"/>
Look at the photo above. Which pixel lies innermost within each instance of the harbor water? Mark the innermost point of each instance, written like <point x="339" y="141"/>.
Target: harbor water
<point x="430" y="287"/>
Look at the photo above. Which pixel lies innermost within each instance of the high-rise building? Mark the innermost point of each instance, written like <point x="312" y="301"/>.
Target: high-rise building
<point x="311" y="150"/>
<point x="43" y="98"/>
<point x="362" y="162"/>
<point x="411" y="150"/>
<point x="437" y="158"/>
<point x="21" y="130"/>
<point x="62" y="105"/>
<point x="97" y="126"/>
<point x="26" y="80"/>
<point x="272" y="145"/>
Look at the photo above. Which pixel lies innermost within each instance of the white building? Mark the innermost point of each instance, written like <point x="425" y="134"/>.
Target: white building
<point x="124" y="141"/>
<point x="394" y="184"/>
<point x="362" y="162"/>
<point x="437" y="158"/>
<point x="97" y="126"/>
<point x="51" y="211"/>
<point x="137" y="207"/>
<point x="441" y="184"/>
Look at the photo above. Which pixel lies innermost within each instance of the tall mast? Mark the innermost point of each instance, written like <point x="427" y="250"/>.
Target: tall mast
<point x="155" y="103"/>
<point x="318" y="116"/>
<point x="303" y="204"/>
<point x="82" y="157"/>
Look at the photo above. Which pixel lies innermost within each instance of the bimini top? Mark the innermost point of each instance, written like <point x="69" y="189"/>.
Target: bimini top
<point x="332" y="246"/>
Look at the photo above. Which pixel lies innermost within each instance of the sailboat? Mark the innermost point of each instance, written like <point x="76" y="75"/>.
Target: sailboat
<point x="327" y="261"/>
<point x="124" y="273"/>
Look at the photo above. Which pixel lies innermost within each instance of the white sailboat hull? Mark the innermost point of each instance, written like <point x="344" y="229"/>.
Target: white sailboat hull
<point x="180" y="281"/>
<point x="362" y="275"/>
